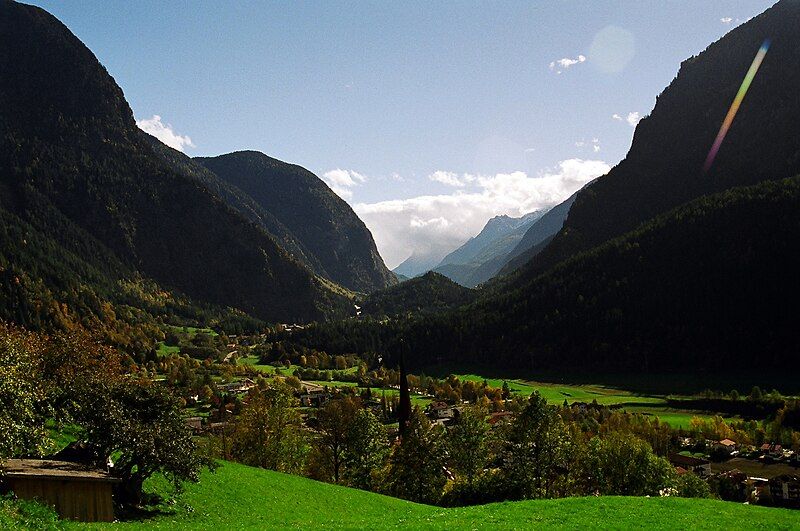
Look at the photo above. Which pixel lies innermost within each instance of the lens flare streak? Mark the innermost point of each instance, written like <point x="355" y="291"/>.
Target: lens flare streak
<point x="737" y="102"/>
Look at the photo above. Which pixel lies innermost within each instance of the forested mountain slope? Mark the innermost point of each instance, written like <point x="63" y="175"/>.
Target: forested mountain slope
<point x="663" y="168"/>
<point x="70" y="150"/>
<point x="429" y="293"/>
<point x="323" y="223"/>
<point x="240" y="202"/>
<point x="709" y="287"/>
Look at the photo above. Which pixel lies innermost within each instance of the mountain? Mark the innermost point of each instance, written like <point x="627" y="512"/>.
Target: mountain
<point x="495" y="229"/>
<point x="429" y="293"/>
<point x="664" y="167"/>
<point x="239" y="201"/>
<point x="417" y="264"/>
<point x="707" y="289"/>
<point x="543" y="229"/>
<point x="321" y="227"/>
<point x="707" y="286"/>
<point x="481" y="257"/>
<point x="80" y="178"/>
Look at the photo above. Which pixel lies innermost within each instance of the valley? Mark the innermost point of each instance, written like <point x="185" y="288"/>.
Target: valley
<point x="588" y="326"/>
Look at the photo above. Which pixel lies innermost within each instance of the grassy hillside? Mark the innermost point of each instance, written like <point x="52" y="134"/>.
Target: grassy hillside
<point x="240" y="497"/>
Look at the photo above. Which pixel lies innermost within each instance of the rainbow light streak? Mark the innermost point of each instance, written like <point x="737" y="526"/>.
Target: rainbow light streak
<point x="737" y="101"/>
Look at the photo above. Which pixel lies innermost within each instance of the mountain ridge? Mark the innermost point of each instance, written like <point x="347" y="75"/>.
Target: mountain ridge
<point x="480" y="258"/>
<point x="70" y="145"/>
<point x="322" y="224"/>
<point x="656" y="176"/>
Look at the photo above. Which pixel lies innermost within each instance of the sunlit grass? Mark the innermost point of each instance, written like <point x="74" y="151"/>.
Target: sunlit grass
<point x="240" y="497"/>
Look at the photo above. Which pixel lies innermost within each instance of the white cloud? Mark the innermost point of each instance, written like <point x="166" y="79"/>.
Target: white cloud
<point x="633" y="118"/>
<point x="726" y="20"/>
<point x="560" y="65"/>
<point x="447" y="177"/>
<point x="432" y="224"/>
<point x="164" y="133"/>
<point x="341" y="181"/>
<point x="343" y="177"/>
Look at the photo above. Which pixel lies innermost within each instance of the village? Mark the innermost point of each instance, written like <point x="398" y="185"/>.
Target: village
<point x="765" y="474"/>
<point x="218" y="376"/>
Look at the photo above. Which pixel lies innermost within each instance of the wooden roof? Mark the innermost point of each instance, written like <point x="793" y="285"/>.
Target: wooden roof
<point x="686" y="460"/>
<point x="46" y="469"/>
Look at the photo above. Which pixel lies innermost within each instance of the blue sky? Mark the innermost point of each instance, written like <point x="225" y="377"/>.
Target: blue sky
<point x="437" y="115"/>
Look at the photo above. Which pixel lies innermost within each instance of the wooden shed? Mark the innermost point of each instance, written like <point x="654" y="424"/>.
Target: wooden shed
<point x="77" y="492"/>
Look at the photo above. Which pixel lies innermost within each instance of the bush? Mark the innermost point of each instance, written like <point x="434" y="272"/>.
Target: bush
<point x="26" y="514"/>
<point x="489" y="487"/>
<point x="689" y="485"/>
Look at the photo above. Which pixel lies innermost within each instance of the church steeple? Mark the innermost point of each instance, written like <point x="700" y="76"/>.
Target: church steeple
<point x="404" y="408"/>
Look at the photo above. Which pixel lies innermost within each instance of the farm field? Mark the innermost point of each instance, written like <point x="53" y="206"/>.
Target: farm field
<point x="253" y="361"/>
<point x="416" y="399"/>
<point x="754" y="468"/>
<point x="240" y="497"/>
<point x="556" y="393"/>
<point x="165" y="350"/>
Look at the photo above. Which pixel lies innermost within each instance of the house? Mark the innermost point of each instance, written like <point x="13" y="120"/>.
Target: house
<point x="439" y="410"/>
<point x="499" y="417"/>
<point x="785" y="490"/>
<point x="760" y="488"/>
<point x="311" y="388"/>
<point x="75" y="491"/>
<point x="314" y="399"/>
<point x="727" y="445"/>
<point x="701" y="467"/>
<point x="218" y="427"/>
<point x="237" y="388"/>
<point x="195" y="423"/>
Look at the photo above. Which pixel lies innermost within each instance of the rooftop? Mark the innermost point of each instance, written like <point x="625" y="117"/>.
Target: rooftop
<point x="46" y="469"/>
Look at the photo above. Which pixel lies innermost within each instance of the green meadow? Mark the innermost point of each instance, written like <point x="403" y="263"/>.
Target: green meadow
<point x="557" y="393"/>
<point x="240" y="497"/>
